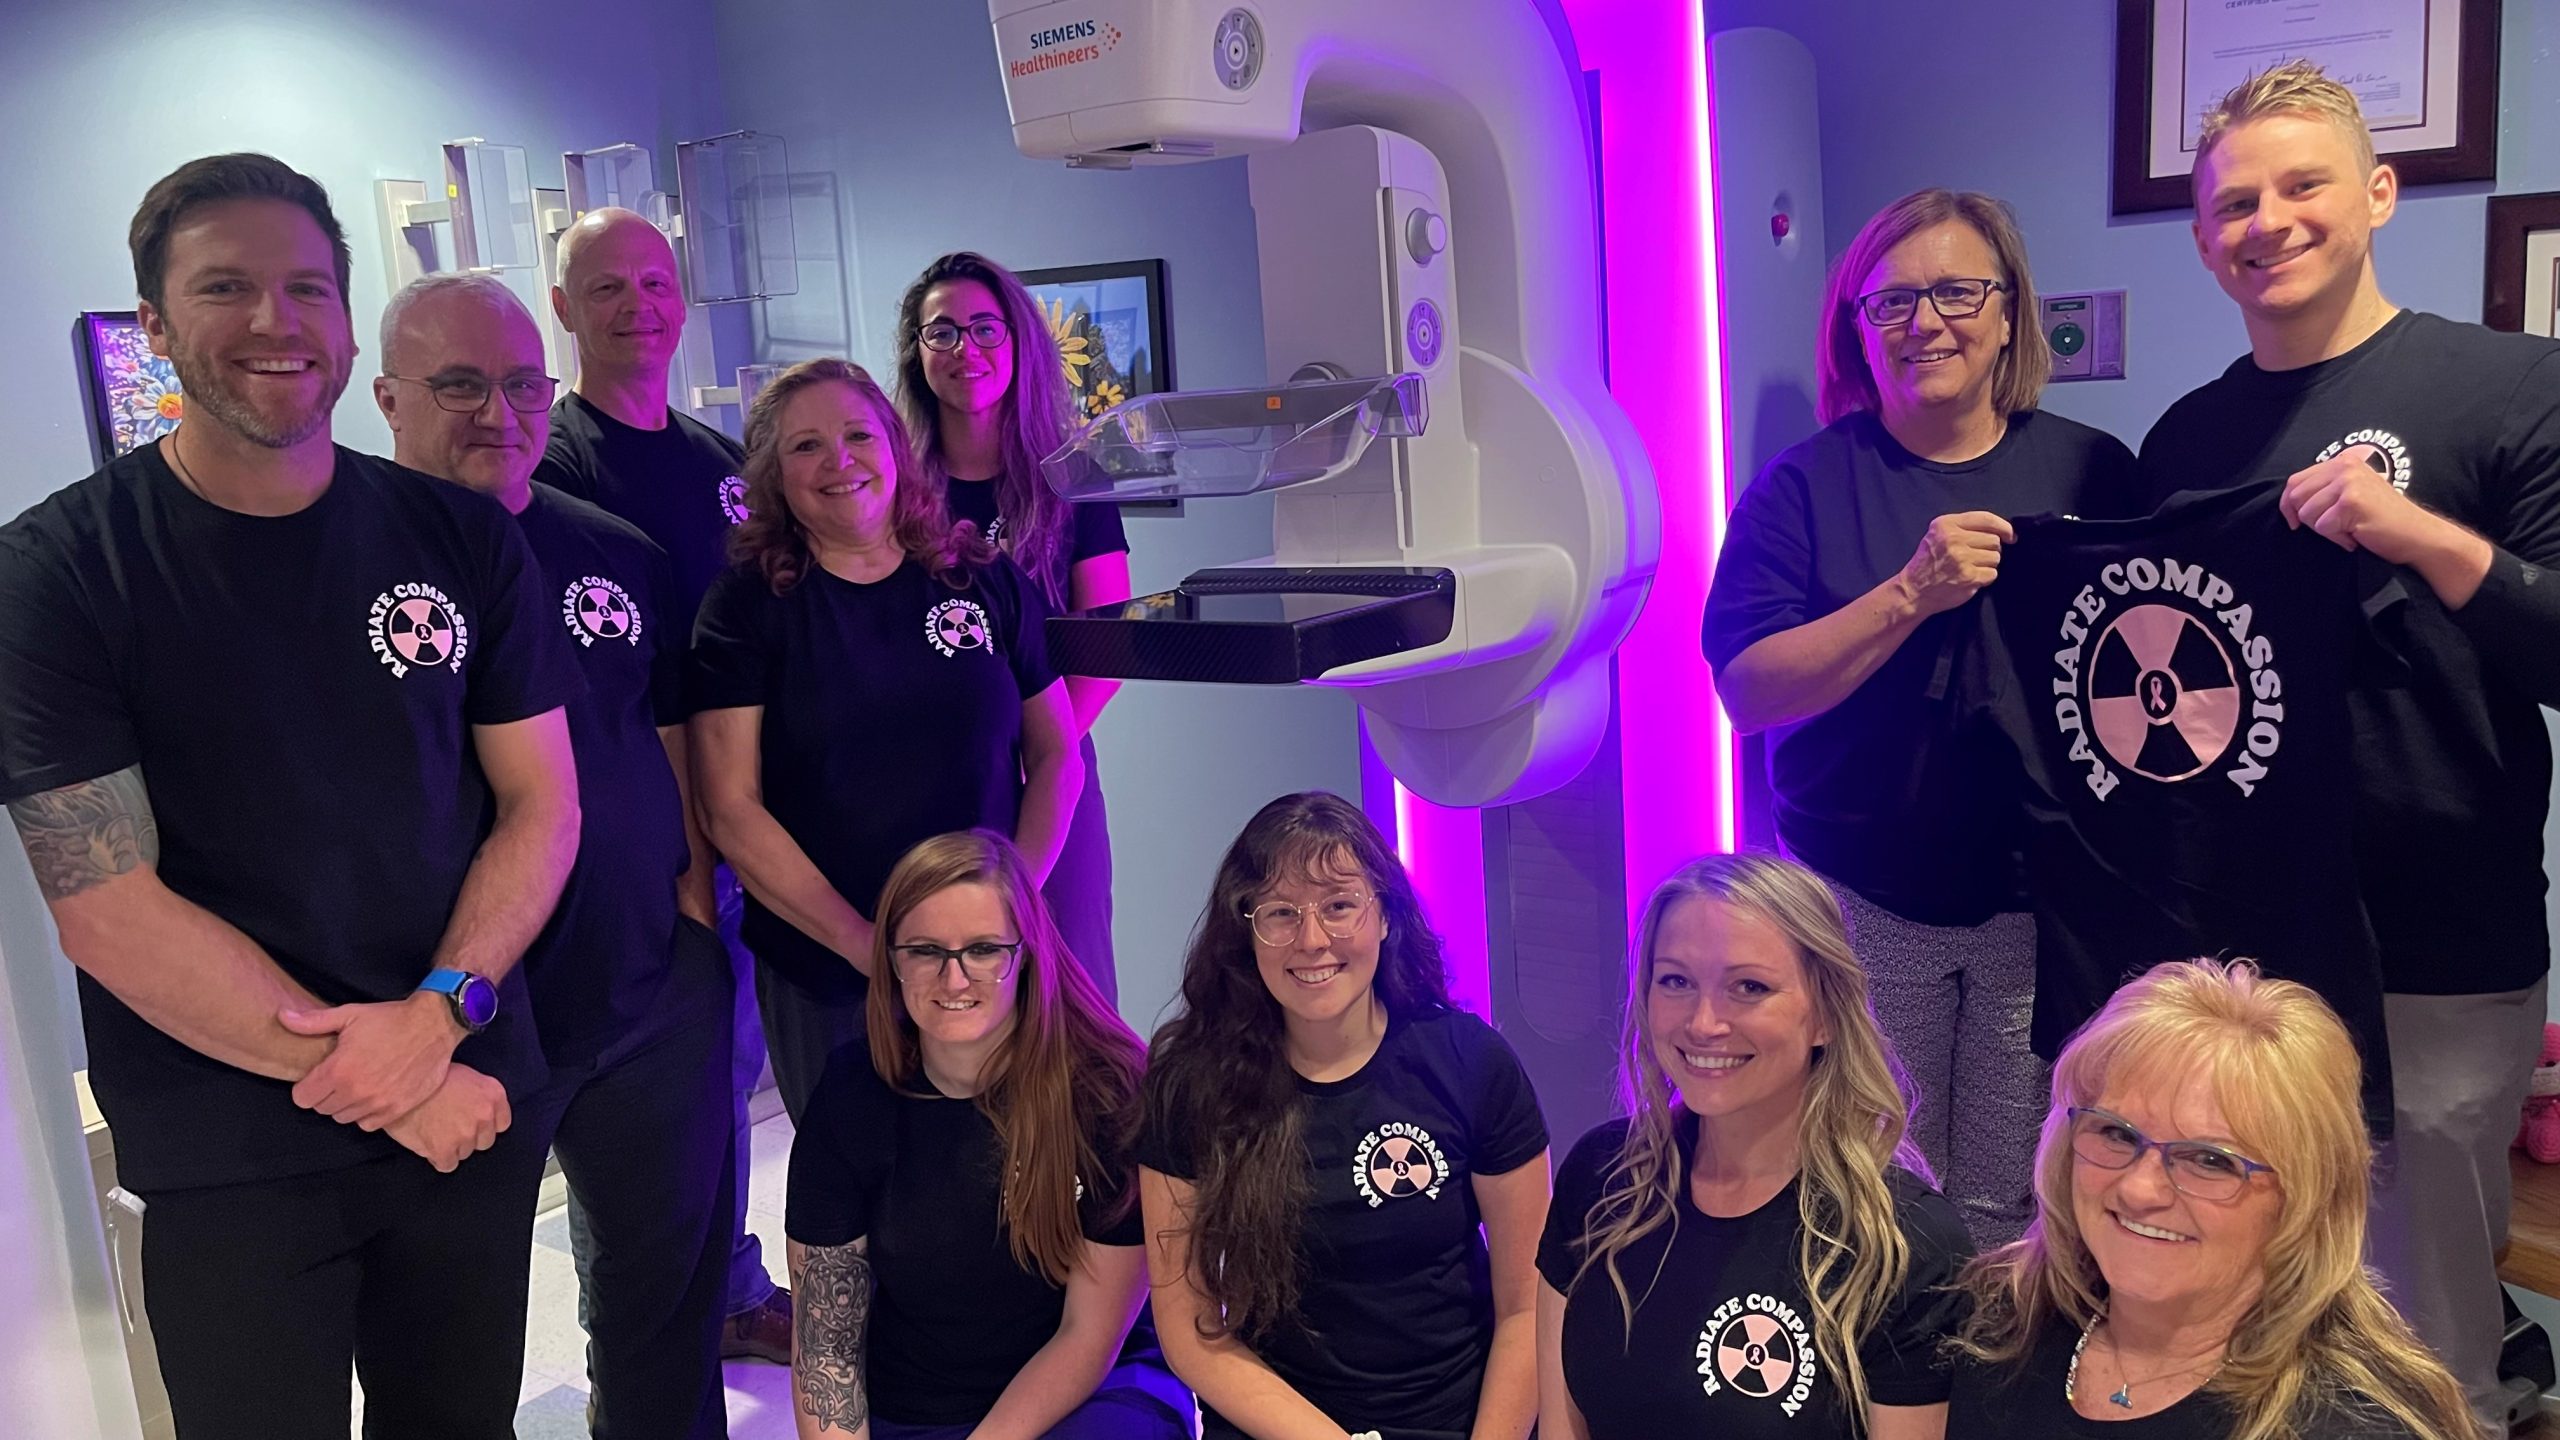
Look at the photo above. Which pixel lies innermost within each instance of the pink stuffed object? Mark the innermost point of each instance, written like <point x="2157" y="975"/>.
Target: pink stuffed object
<point x="2539" y="1135"/>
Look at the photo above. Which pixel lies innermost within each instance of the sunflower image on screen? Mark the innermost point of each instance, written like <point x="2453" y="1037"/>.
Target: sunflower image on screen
<point x="1107" y="322"/>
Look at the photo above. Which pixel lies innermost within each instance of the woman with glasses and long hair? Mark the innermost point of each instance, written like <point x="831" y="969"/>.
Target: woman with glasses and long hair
<point x="1829" y="626"/>
<point x="2196" y="1269"/>
<point x="865" y="677"/>
<point x="983" y="389"/>
<point x="1343" y="1174"/>
<point x="963" y="1213"/>
<point x="1753" y="1250"/>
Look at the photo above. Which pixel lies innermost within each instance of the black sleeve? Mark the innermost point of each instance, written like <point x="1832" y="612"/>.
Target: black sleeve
<point x="730" y="663"/>
<point x="1103" y="1193"/>
<point x="1505" y="1128"/>
<point x="1099" y="531"/>
<point x="1160" y="1146"/>
<point x="2515" y="616"/>
<point x="520" y="662"/>
<point x="840" y="1153"/>
<point x="1578" y="1186"/>
<point x="1026" y="642"/>
<point x="63" y="718"/>
<point x="1763" y="575"/>
<point x="1905" y="1356"/>
<point x="668" y="640"/>
<point x="566" y="466"/>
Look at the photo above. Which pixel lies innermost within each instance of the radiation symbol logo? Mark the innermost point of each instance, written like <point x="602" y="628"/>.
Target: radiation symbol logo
<point x="1756" y="1355"/>
<point x="733" y="499"/>
<point x="416" y="626"/>
<point x="1398" y="1168"/>
<point x="957" y="625"/>
<point x="1398" y="1161"/>
<point x="2163" y="699"/>
<point x="595" y="608"/>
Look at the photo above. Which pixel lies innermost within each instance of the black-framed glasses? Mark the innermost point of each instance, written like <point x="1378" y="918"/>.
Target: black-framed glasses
<point x="1281" y="922"/>
<point x="986" y="334"/>
<point x="1952" y="299"/>
<point x="988" y="961"/>
<point x="465" y="394"/>
<point x="2198" y="1169"/>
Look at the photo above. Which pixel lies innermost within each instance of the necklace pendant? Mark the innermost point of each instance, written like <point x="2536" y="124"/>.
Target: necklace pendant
<point x="2123" y="1396"/>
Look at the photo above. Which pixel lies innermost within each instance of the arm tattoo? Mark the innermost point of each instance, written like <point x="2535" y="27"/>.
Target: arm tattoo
<point x="834" y="1299"/>
<point x="86" y="834"/>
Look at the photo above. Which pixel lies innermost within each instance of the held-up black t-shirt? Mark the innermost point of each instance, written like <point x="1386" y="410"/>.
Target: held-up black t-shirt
<point x="1097" y="526"/>
<point x="2176" y="688"/>
<point x="1722" y="1342"/>
<point x="1885" y="792"/>
<point x="892" y="714"/>
<point x="2466" y="421"/>
<point x="922" y="1175"/>
<point x="299" y="691"/>
<point x="1396" y="1313"/>
<point x="680" y="485"/>
<point x="599" y="965"/>
<point x="2024" y="1401"/>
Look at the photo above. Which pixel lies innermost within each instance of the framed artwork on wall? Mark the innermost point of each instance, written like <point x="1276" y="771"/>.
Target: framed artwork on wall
<point x="2522" y="289"/>
<point x="1110" y="325"/>
<point x="2425" y="71"/>
<point x="133" y="394"/>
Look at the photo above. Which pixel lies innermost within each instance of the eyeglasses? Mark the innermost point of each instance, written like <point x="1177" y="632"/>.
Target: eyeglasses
<point x="986" y="960"/>
<point x="1952" y="299"/>
<point x="465" y="394"/>
<point x="1281" y="923"/>
<point x="2197" y="1169"/>
<point x="985" y="334"/>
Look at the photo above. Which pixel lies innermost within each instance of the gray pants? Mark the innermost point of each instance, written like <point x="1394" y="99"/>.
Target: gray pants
<point x="2459" y="1067"/>
<point x="1956" y="1002"/>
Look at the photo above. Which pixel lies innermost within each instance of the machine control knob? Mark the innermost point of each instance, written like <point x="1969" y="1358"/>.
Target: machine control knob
<point x="1425" y="234"/>
<point x="2067" y="338"/>
<point x="1236" y="50"/>
<point x="1422" y="334"/>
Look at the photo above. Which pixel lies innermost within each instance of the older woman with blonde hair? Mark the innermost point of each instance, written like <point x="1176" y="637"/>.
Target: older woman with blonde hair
<point x="1753" y="1250"/>
<point x="1829" y="621"/>
<point x="2196" y="1269"/>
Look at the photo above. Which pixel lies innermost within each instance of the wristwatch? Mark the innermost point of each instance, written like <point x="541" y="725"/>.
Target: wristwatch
<point x="474" y="1001"/>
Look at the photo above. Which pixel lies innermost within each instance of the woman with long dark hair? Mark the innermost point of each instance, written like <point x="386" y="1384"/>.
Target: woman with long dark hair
<point x="1343" y="1174"/>
<point x="963" y="1215"/>
<point x="981" y="386"/>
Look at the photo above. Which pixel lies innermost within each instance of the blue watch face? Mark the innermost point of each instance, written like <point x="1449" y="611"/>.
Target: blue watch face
<point x="479" y="1001"/>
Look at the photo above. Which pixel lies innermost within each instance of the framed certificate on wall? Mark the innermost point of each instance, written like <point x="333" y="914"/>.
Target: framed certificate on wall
<point x="2424" y="71"/>
<point x="2522" y="291"/>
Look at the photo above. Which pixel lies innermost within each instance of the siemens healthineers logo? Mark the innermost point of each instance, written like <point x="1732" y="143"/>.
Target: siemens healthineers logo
<point x="1070" y="44"/>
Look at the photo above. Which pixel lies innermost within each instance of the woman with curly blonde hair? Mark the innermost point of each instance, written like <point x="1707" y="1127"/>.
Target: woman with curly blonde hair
<point x="1754" y="1249"/>
<point x="2196" y="1267"/>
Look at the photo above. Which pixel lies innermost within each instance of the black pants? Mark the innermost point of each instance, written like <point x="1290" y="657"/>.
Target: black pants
<point x="262" y="1294"/>
<point x="644" y="1139"/>
<point x="800" y="1032"/>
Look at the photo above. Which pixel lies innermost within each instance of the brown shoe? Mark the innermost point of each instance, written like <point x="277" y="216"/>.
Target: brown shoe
<point x="763" y="1333"/>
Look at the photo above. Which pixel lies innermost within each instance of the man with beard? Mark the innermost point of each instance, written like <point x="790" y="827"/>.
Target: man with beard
<point x="638" y="1104"/>
<point x="281" y="731"/>
<point x="617" y="443"/>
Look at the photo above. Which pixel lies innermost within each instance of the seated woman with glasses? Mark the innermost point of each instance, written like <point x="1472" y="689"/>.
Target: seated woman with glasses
<point x="1343" y="1174"/>
<point x="1754" y="1250"/>
<point x="2196" y="1271"/>
<point x="1828" y="626"/>
<point x="963" y="1215"/>
<point x="864" y="678"/>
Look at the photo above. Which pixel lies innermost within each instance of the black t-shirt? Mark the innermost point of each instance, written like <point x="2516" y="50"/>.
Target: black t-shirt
<point x="953" y="1317"/>
<point x="892" y="714"/>
<point x="2176" y="688"/>
<point x="1722" y="1342"/>
<point x="1884" y="791"/>
<point x="680" y="485"/>
<point x="1395" y="1317"/>
<point x="2449" y="820"/>
<point x="599" y="965"/>
<point x="299" y="691"/>
<point x="1097" y="526"/>
<point x="2024" y="1401"/>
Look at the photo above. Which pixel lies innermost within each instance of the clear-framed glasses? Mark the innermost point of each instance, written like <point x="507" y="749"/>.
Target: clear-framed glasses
<point x="1952" y="299"/>
<point x="987" y="961"/>
<point x="2199" y="1169"/>
<point x="986" y="334"/>
<point x="465" y="394"/>
<point x="1281" y="923"/>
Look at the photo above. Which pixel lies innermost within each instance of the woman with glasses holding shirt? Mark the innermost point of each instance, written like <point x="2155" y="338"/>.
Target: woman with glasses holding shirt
<point x="1343" y="1174"/>
<point x="981" y="386"/>
<point x="1829" y="621"/>
<point x="963" y="1215"/>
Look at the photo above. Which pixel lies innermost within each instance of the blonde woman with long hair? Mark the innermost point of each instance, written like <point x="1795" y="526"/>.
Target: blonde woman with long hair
<point x="2196" y="1268"/>
<point x="1754" y="1249"/>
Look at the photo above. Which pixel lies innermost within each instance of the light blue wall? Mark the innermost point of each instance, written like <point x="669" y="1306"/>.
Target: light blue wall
<point x="896" y="122"/>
